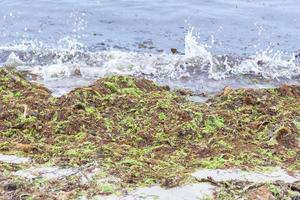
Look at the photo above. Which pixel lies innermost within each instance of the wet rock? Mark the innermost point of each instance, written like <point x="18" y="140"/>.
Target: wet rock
<point x="47" y="173"/>
<point x="197" y="99"/>
<point x="10" y="187"/>
<point x="221" y="175"/>
<point x="260" y="62"/>
<point x="77" y="72"/>
<point x="194" y="191"/>
<point x="11" y="159"/>
<point x="296" y="187"/>
<point x="174" y="50"/>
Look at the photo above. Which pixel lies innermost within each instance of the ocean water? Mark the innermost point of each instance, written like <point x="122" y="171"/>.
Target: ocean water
<point x="65" y="44"/>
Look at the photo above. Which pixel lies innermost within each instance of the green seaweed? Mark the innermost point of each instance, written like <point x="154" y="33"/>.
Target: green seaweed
<point x="144" y="133"/>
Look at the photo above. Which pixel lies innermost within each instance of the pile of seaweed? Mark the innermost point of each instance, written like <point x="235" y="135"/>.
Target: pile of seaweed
<point x="144" y="133"/>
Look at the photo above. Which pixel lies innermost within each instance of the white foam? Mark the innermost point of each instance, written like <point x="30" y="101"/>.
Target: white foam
<point x="13" y="61"/>
<point x="269" y="65"/>
<point x="194" y="49"/>
<point x="72" y="59"/>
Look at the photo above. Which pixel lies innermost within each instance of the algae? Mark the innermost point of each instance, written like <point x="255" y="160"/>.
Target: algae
<point x="146" y="134"/>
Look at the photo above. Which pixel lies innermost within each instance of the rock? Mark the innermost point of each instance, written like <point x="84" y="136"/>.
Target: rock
<point x="13" y="159"/>
<point x="10" y="187"/>
<point x="192" y="191"/>
<point x="221" y="175"/>
<point x="77" y="72"/>
<point x="174" y="50"/>
<point x="48" y="173"/>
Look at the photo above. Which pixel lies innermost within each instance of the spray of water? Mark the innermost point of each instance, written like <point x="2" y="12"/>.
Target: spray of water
<point x="72" y="59"/>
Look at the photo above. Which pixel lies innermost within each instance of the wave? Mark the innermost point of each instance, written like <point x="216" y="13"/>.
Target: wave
<point x="71" y="59"/>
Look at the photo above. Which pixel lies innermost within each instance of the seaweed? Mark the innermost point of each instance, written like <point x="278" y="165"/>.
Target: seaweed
<point x="146" y="134"/>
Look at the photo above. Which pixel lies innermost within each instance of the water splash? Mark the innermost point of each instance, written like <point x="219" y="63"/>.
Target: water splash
<point x="269" y="65"/>
<point x="71" y="61"/>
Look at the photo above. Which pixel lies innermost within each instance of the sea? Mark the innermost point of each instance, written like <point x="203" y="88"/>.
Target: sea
<point x="201" y="45"/>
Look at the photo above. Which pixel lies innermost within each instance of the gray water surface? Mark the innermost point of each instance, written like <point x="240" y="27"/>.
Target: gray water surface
<point x="238" y="26"/>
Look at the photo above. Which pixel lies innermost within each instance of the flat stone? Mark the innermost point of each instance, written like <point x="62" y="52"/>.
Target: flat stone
<point x="11" y="159"/>
<point x="45" y="172"/>
<point x="186" y="192"/>
<point x="197" y="99"/>
<point x="277" y="174"/>
<point x="10" y="187"/>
